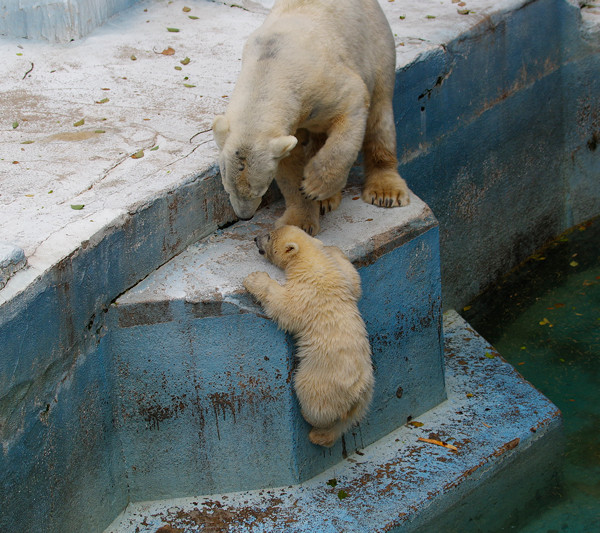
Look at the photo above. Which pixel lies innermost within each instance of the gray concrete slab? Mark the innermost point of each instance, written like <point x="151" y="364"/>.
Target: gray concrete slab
<point x="74" y="114"/>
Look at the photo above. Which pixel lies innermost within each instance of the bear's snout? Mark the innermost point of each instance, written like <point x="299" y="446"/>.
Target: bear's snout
<point x="261" y="250"/>
<point x="261" y="241"/>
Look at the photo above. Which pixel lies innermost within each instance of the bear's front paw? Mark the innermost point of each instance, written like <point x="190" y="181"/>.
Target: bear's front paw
<point x="331" y="203"/>
<point x="308" y="221"/>
<point x="386" y="189"/>
<point x="320" y="183"/>
<point x="256" y="282"/>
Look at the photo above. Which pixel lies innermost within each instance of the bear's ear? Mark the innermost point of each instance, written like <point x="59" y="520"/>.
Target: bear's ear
<point x="282" y="146"/>
<point x="220" y="129"/>
<point x="291" y="248"/>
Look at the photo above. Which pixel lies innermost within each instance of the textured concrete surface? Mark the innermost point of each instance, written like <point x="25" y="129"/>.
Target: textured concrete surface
<point x="499" y="424"/>
<point x="197" y="358"/>
<point x="12" y="259"/>
<point x="53" y="20"/>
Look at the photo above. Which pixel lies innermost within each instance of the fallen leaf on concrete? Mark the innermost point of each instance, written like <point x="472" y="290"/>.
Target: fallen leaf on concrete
<point x="173" y="30"/>
<point x="188" y="85"/>
<point x="342" y="494"/>
<point x="133" y="58"/>
<point x="168" y="51"/>
<point x="489" y="355"/>
<point x="185" y="61"/>
<point x="186" y="9"/>
<point x="15" y="125"/>
<point x="464" y="11"/>
<point x="103" y="101"/>
<point x="27" y="142"/>
<point x="79" y="123"/>
<point x="439" y="443"/>
<point x="138" y="155"/>
<point x="416" y="424"/>
<point x="192" y="17"/>
<point x="154" y="149"/>
<point x="77" y="207"/>
<point x="574" y="263"/>
<point x="332" y="482"/>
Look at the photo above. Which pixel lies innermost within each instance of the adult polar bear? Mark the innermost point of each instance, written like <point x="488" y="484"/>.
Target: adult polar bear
<point x="320" y="72"/>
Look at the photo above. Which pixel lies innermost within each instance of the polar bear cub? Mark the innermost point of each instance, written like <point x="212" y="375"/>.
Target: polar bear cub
<point x="316" y="87"/>
<point x="318" y="305"/>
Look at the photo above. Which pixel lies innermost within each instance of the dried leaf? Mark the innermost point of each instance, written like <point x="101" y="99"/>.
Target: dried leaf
<point x="99" y="131"/>
<point x="27" y="142"/>
<point x="103" y="101"/>
<point x="79" y="123"/>
<point x="185" y="61"/>
<point x="439" y="443"/>
<point x="133" y="58"/>
<point x="416" y="424"/>
<point x="138" y="155"/>
<point x="186" y="9"/>
<point x="178" y="67"/>
<point x="168" y="51"/>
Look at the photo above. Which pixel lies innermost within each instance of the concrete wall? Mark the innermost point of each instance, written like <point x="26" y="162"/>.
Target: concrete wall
<point x="498" y="133"/>
<point x="56" y="20"/>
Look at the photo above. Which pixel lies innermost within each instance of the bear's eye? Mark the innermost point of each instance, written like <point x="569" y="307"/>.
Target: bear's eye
<point x="241" y="167"/>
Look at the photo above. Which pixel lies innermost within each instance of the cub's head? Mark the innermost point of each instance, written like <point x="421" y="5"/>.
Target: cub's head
<point x="248" y="165"/>
<point x="284" y="244"/>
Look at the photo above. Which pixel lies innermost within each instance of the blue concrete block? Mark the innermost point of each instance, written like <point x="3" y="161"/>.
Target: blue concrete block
<point x="197" y="359"/>
<point x="508" y="442"/>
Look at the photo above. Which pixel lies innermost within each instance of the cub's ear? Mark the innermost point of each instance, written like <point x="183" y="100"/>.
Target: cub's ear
<point x="220" y="129"/>
<point x="291" y="248"/>
<point x="282" y="146"/>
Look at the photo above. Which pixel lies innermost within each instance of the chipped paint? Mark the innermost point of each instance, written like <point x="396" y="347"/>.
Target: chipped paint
<point x="398" y="483"/>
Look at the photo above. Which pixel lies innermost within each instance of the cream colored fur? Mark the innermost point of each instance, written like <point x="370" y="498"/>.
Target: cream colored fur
<point x="316" y="86"/>
<point x="318" y="305"/>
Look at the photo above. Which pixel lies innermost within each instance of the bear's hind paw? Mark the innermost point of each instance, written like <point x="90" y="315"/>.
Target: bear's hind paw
<point x="322" y="437"/>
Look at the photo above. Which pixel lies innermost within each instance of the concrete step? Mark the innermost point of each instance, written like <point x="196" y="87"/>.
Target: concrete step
<point x="507" y="438"/>
<point x="204" y="380"/>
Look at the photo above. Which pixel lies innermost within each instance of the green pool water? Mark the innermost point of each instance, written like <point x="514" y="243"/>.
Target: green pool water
<point x="544" y="318"/>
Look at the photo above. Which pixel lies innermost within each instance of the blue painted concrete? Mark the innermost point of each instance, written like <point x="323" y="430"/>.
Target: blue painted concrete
<point x="197" y="359"/>
<point x="504" y="431"/>
<point x="502" y="125"/>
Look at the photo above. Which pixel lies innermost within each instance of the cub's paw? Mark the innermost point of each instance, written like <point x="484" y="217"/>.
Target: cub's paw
<point x="322" y="437"/>
<point x="256" y="283"/>
<point x="306" y="221"/>
<point x="331" y="203"/>
<point x="386" y="190"/>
